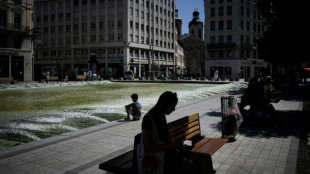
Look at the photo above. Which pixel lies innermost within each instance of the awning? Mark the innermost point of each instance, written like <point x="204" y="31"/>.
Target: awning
<point x="308" y="69"/>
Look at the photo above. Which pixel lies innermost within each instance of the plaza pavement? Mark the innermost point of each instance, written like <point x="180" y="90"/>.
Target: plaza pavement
<point x="258" y="149"/>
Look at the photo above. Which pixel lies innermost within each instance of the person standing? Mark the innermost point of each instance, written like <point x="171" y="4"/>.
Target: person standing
<point x="216" y="75"/>
<point x="133" y="109"/>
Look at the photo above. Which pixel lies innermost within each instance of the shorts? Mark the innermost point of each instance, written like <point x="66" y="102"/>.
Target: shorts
<point x="134" y="117"/>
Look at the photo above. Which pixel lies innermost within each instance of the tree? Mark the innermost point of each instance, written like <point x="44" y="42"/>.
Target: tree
<point x="284" y="41"/>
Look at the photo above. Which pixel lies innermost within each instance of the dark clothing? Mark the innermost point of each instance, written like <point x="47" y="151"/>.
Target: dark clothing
<point x="161" y="126"/>
<point x="173" y="158"/>
<point x="136" y="109"/>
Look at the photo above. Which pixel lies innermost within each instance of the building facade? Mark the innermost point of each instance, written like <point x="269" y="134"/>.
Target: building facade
<point x="16" y="51"/>
<point x="106" y="37"/>
<point x="230" y="26"/>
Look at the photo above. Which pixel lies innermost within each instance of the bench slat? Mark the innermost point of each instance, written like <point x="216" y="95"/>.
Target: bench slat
<point x="188" y="134"/>
<point x="183" y="128"/>
<point x="209" y="145"/>
<point x="185" y="120"/>
<point x="52" y="78"/>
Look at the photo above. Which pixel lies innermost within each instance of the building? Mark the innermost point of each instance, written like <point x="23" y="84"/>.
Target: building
<point x="107" y="37"/>
<point x="179" y="51"/>
<point x="193" y="44"/>
<point x="230" y="27"/>
<point x="16" y="51"/>
<point x="195" y="26"/>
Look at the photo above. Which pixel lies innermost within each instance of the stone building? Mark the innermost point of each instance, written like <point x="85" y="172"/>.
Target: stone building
<point x="16" y="51"/>
<point x="230" y="28"/>
<point x="107" y="37"/>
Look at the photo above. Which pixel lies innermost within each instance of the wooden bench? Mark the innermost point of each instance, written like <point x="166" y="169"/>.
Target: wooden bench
<point x="6" y="79"/>
<point x="81" y="77"/>
<point x="186" y="128"/>
<point x="52" y="78"/>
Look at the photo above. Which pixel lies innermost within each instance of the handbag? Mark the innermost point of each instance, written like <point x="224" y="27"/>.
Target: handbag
<point x="150" y="162"/>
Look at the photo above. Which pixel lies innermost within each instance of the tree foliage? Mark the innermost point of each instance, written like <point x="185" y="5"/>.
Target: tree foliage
<point x="284" y="41"/>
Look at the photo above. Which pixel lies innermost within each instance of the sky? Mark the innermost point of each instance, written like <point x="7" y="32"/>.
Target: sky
<point x="186" y="9"/>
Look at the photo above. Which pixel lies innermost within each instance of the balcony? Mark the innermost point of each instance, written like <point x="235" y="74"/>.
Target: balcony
<point x="246" y="46"/>
<point x="15" y="27"/>
<point x="221" y="45"/>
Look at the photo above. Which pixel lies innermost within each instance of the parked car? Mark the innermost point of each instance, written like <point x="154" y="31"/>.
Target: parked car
<point x="129" y="75"/>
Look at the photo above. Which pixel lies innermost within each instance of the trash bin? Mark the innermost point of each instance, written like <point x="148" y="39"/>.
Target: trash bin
<point x="231" y="117"/>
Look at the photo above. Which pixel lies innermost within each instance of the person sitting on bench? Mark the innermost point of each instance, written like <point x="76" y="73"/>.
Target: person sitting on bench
<point x="176" y="159"/>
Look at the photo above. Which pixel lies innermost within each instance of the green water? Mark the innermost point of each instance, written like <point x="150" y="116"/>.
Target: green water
<point x="30" y="114"/>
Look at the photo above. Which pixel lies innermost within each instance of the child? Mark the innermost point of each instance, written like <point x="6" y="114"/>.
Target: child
<point x="133" y="109"/>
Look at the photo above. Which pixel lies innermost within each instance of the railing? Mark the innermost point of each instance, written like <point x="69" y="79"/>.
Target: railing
<point x="246" y="46"/>
<point x="222" y="45"/>
<point x="15" y="27"/>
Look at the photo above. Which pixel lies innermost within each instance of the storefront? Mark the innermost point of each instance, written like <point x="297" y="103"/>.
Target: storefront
<point x="16" y="64"/>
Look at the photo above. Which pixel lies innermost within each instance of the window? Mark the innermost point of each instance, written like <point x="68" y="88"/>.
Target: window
<point x="53" y="29"/>
<point x="84" y="26"/>
<point x="76" y="27"/>
<point x="120" y="23"/>
<point x="229" y="24"/>
<point x="93" y="38"/>
<point x="229" y="53"/>
<point x="93" y="26"/>
<point x="53" y="17"/>
<point x="136" y="38"/>
<point x="120" y="37"/>
<point x="221" y="39"/>
<point x="60" y="29"/>
<point x="38" y="19"/>
<point x="137" y="13"/>
<point x="142" y="14"/>
<point x="212" y="39"/>
<point x="60" y="16"/>
<point x="17" y="1"/>
<point x="17" y="20"/>
<point x="221" y="25"/>
<point x="76" y="2"/>
<point x="111" y="37"/>
<point x="229" y="10"/>
<point x="3" y="18"/>
<point x="212" y="12"/>
<point x="221" y="53"/>
<point x="221" y="11"/>
<point x="137" y="25"/>
<point x="229" y="38"/>
<point x="254" y="27"/>
<point x="101" y="25"/>
<point x="68" y="28"/>
<point x="212" y="25"/>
